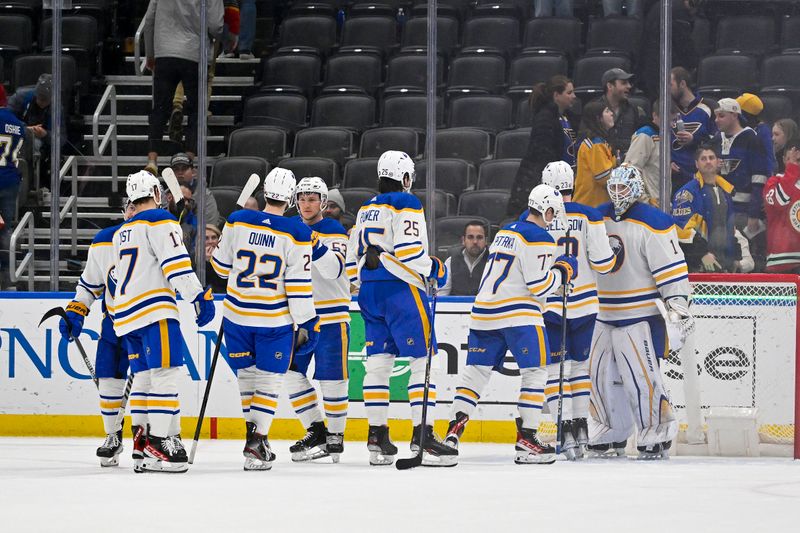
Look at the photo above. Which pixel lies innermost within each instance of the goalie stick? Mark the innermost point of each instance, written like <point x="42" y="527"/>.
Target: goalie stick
<point x="59" y="311"/>
<point x="559" y="417"/>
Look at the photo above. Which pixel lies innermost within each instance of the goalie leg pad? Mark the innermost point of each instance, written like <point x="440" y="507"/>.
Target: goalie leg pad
<point x="303" y="397"/>
<point x="609" y="411"/>
<point x="376" y="387"/>
<point x="416" y="391"/>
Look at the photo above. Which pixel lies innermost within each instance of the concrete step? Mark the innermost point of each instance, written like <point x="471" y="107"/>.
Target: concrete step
<point x="224" y="67"/>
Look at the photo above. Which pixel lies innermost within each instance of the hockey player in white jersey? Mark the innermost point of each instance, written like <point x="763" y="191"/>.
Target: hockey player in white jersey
<point x="585" y="238"/>
<point x="630" y="336"/>
<point x="388" y="255"/>
<point x="97" y="282"/>
<point x="523" y="267"/>
<point x="268" y="315"/>
<point x="151" y="264"/>
<point x="332" y="301"/>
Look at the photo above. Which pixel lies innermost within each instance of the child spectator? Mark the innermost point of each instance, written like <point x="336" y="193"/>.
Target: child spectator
<point x="595" y="159"/>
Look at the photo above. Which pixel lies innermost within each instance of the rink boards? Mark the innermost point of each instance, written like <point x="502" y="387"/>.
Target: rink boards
<point x="46" y="390"/>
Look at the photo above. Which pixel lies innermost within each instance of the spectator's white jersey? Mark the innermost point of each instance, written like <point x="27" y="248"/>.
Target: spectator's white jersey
<point x="588" y="242"/>
<point x="150" y="260"/>
<point x="267" y="261"/>
<point x="328" y="276"/>
<point x="649" y="265"/>
<point x="516" y="278"/>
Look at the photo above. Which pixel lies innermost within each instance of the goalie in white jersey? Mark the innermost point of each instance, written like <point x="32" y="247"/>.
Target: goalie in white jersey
<point x="151" y="263"/>
<point x="332" y="301"/>
<point x="523" y="267"/>
<point x="630" y="336"/>
<point x="266" y="259"/>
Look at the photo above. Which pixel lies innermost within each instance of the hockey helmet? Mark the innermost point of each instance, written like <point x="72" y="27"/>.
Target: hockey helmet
<point x="142" y="184"/>
<point x="279" y="185"/>
<point x="544" y="197"/>
<point x="625" y="186"/>
<point x="313" y="184"/>
<point x="559" y="176"/>
<point x="394" y="165"/>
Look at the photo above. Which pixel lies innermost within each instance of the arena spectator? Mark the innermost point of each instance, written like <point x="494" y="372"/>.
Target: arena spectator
<point x="247" y="17"/>
<point x="218" y="285"/>
<point x="466" y="263"/>
<point x="13" y="137"/>
<point x="783" y="131"/>
<point x="231" y="29"/>
<point x="703" y="213"/>
<point x="627" y="117"/>
<point x="684" y="53"/>
<point x="552" y="138"/>
<point x="595" y="158"/>
<point x="550" y="8"/>
<point x="781" y="202"/>
<point x="752" y="106"/>
<point x="251" y="203"/>
<point x="614" y="8"/>
<point x="183" y="166"/>
<point x="644" y="152"/>
<point x="186" y="215"/>
<point x="172" y="45"/>
<point x="337" y="210"/>
<point x="695" y="126"/>
<point x="32" y="106"/>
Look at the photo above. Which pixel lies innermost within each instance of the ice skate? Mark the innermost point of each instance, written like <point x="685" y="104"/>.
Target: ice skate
<point x="568" y="443"/>
<point x="655" y="452"/>
<point x="165" y="454"/>
<point x="436" y="452"/>
<point x="456" y="429"/>
<point x="335" y="445"/>
<point x="381" y="449"/>
<point x="530" y="450"/>
<point x="580" y="432"/>
<point x="139" y="442"/>
<point x="312" y="446"/>
<point x="257" y="452"/>
<point x="615" y="450"/>
<point x="109" y="451"/>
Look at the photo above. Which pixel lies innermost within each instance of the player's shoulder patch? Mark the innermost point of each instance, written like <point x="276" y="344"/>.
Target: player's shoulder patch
<point x="248" y="216"/>
<point x="574" y="208"/>
<point x="153" y="215"/>
<point x="650" y="216"/>
<point x="106" y="234"/>
<point x="329" y="226"/>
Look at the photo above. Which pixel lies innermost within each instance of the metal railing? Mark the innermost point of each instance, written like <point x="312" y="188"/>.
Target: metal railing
<point x="110" y="135"/>
<point x="138" y="63"/>
<point x="25" y="226"/>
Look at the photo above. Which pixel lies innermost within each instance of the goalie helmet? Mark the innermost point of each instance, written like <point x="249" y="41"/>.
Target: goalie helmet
<point x="313" y="185"/>
<point x="559" y="176"/>
<point x="142" y="184"/>
<point x="279" y="185"/>
<point x="544" y="197"/>
<point x="625" y="186"/>
<point x="394" y="165"/>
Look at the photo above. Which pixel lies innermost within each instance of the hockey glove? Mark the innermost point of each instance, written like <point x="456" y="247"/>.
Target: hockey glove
<point x="373" y="258"/>
<point x="680" y="322"/>
<point x="568" y="266"/>
<point x="438" y="271"/>
<point x="204" y="307"/>
<point x="307" y="337"/>
<point x="72" y="327"/>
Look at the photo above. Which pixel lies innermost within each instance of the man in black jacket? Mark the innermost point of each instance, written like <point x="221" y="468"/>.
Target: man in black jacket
<point x="466" y="264"/>
<point x="627" y="117"/>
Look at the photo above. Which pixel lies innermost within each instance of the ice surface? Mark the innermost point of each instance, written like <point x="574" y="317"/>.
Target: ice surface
<point x="49" y="484"/>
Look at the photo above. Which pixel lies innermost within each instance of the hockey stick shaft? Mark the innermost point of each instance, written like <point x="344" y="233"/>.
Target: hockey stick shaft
<point x="560" y="412"/>
<point x="205" y="396"/>
<point x="124" y="402"/>
<point x="60" y="312"/>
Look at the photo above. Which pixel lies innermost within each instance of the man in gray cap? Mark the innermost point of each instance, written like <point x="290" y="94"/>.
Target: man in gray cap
<point x="337" y="210"/>
<point x="183" y="167"/>
<point x="628" y="118"/>
<point x="32" y="106"/>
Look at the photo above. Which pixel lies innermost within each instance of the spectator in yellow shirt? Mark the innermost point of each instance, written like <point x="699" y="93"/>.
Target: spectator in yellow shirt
<point x="595" y="159"/>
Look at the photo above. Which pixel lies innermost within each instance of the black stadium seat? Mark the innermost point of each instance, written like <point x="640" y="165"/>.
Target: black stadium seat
<point x="726" y="75"/>
<point x="449" y="230"/>
<point x="444" y="202"/>
<point x="371" y="32"/>
<point x="316" y="33"/>
<point x="615" y="35"/>
<point x="589" y="70"/>
<point x="16" y="37"/>
<point x="409" y="111"/>
<point x="321" y="167"/>
<point x="492" y="33"/>
<point x="489" y="204"/>
<point x="415" y="34"/>
<point x="790" y="34"/>
<point x="452" y="175"/>
<point x="299" y="71"/>
<point x="776" y="106"/>
<point x="781" y="73"/>
<point x="498" y="174"/>
<point x="80" y="39"/>
<point x="553" y="34"/>
<point x="512" y="144"/>
<point x="287" y="111"/>
<point x="409" y="71"/>
<point x="235" y="171"/>
<point x="362" y="172"/>
<point x="356" y="111"/>
<point x="488" y="112"/>
<point x="528" y="70"/>
<point x="747" y="34"/>
<point x="477" y="72"/>
<point x="330" y="142"/>
<point x="377" y="140"/>
<point x="268" y="142"/>
<point x="470" y="144"/>
<point x="226" y="199"/>
<point x="349" y="70"/>
<point x="354" y="198"/>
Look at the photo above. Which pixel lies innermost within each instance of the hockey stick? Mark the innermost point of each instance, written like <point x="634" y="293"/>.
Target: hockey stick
<point x="59" y="311"/>
<point x="205" y="396"/>
<point x="124" y="402"/>
<point x="559" y="416"/>
<point x="174" y="187"/>
<point x="413" y="462"/>
<point x="249" y="188"/>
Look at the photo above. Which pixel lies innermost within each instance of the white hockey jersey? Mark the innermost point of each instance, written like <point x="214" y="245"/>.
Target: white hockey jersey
<point x="650" y="264"/>
<point x="331" y="285"/>
<point x="267" y="261"/>
<point x="97" y="280"/>
<point x="150" y="260"/>
<point x="516" y="278"/>
<point x="588" y="242"/>
<point x="395" y="223"/>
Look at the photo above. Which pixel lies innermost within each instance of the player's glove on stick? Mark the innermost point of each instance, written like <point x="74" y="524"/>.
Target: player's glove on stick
<point x="204" y="307"/>
<point x="438" y="271"/>
<point x="372" y="258"/>
<point x="76" y="312"/>
<point x="679" y="316"/>
<point x="307" y="337"/>
<point x="568" y="266"/>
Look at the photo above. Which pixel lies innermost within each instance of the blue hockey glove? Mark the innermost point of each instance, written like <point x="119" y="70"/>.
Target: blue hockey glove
<point x="438" y="271"/>
<point x="307" y="337"/>
<point x="204" y="307"/>
<point x="76" y="312"/>
<point x="568" y="266"/>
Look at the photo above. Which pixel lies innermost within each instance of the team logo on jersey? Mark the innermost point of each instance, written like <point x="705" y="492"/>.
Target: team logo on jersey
<point x="728" y="166"/>
<point x="617" y="246"/>
<point x="684" y="196"/>
<point x="689" y="127"/>
<point x="795" y="215"/>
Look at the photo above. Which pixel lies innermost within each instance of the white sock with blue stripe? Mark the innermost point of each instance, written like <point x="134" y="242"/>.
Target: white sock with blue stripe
<point x="111" y="391"/>
<point x="416" y="391"/>
<point x="303" y="397"/>
<point x="137" y="404"/>
<point x="531" y="396"/>
<point x="265" y="399"/>
<point x="473" y="380"/>
<point x="581" y="387"/>
<point x="376" y="388"/>
<point x="247" y="388"/>
<point x="163" y="406"/>
<point x="336" y="400"/>
<point x="551" y="390"/>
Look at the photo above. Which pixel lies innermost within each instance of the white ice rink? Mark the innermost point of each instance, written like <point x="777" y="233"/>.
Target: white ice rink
<point x="49" y="484"/>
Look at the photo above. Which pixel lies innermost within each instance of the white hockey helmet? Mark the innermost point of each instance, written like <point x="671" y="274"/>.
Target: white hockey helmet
<point x="559" y="176"/>
<point x="394" y="165"/>
<point x="313" y="184"/>
<point x="624" y="186"/>
<point x="142" y="184"/>
<point x="279" y="185"/>
<point x="544" y="197"/>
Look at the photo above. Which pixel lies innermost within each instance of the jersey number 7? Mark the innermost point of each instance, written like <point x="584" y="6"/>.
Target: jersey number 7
<point x="496" y="257"/>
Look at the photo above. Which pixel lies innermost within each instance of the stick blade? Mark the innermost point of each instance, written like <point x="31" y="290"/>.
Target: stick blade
<point x="56" y="311"/>
<point x="194" y="450"/>
<point x="249" y="188"/>
<point x="411" y="462"/>
<point x="172" y="184"/>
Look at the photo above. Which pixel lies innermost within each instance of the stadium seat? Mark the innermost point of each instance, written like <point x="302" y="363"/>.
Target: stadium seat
<point x="29" y="8"/>
<point x="333" y="143"/>
<point x="268" y="142"/>
<point x="489" y="204"/>
<point x="589" y="70"/>
<point x="498" y="174"/>
<point x="776" y="106"/>
<point x="322" y="167"/>
<point x="449" y="230"/>
<point x="746" y="34"/>
<point x="235" y="171"/>
<point x="313" y="8"/>
<point x="553" y="34"/>
<point x="353" y="70"/>
<point x="726" y="75"/>
<point x="469" y="144"/>
<point x="408" y="71"/>
<point x="16" y="37"/>
<point x="512" y="144"/>
<point x="26" y="70"/>
<point x="444" y="202"/>
<point x="377" y="140"/>
<point x="288" y="111"/>
<point x="452" y="175"/>
<point x="371" y="32"/>
<point x="528" y="70"/>
<point x="355" y="111"/>
<point x="477" y="72"/>
<point x="500" y="34"/>
<point x="409" y="111"/>
<point x="702" y="36"/>
<point x="310" y="32"/>
<point x="781" y="73"/>
<point x="790" y="34"/>
<point x="300" y="71"/>
<point x="371" y="9"/>
<point x="614" y="35"/>
<point x="362" y="172"/>
<point x="355" y="197"/>
<point x="79" y="39"/>
<point x="415" y="34"/>
<point x="523" y="115"/>
<point x="226" y="198"/>
<point x="487" y="112"/>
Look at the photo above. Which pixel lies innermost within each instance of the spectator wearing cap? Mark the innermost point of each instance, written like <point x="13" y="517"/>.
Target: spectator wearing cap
<point x="628" y="118"/>
<point x="32" y="106"/>
<point x="550" y="8"/>
<point x="467" y="262"/>
<point x="13" y="136"/>
<point x="183" y="166"/>
<point x="783" y="131"/>
<point x="337" y="210"/>
<point x="695" y="126"/>
<point x="782" y="206"/>
<point x="752" y="106"/>
<point x="595" y="158"/>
